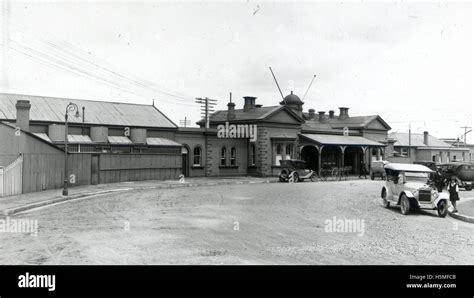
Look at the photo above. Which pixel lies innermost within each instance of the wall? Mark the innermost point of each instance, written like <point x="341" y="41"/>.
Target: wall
<point x="192" y="140"/>
<point x="265" y="155"/>
<point x="135" y="167"/>
<point x="215" y="169"/>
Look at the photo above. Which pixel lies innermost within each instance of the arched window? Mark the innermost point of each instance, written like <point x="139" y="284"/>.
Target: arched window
<point x="252" y="155"/>
<point x="289" y="151"/>
<point x="233" y="154"/>
<point x="223" y="156"/>
<point x="197" y="156"/>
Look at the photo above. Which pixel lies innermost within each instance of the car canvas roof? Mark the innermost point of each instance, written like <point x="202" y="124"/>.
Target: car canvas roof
<point x="406" y="167"/>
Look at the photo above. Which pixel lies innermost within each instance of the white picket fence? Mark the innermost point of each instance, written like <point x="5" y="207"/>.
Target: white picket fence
<point x="11" y="178"/>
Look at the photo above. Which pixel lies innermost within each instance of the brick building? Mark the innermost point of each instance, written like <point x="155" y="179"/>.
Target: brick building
<point x="112" y="142"/>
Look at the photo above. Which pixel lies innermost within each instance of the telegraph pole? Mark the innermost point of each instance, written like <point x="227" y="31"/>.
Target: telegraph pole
<point x="465" y="133"/>
<point x="184" y="123"/>
<point x="207" y="107"/>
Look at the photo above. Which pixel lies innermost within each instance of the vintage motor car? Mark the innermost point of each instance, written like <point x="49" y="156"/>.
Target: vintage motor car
<point x="377" y="169"/>
<point x="409" y="186"/>
<point x="462" y="171"/>
<point x="426" y="163"/>
<point x="295" y="170"/>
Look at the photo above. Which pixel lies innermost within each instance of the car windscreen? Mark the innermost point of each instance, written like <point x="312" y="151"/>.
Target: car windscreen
<point x="416" y="176"/>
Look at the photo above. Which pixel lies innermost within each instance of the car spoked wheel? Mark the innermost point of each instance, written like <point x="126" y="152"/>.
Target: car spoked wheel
<point x="442" y="208"/>
<point x="313" y="177"/>
<point x="385" y="202"/>
<point x="405" y="205"/>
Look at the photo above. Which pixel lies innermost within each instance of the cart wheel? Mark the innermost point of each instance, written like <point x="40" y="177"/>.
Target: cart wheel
<point x="296" y="177"/>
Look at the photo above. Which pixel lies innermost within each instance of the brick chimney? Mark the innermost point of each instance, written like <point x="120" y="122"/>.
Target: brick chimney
<point x="321" y="116"/>
<point x="331" y="114"/>
<point x="230" y="111"/>
<point x="343" y="113"/>
<point x="426" y="138"/>
<point x="23" y="114"/>
<point x="249" y="103"/>
<point x="311" y="114"/>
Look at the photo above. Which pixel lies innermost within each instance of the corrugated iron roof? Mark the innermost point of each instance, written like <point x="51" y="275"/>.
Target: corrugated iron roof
<point x="341" y="140"/>
<point x="253" y="114"/>
<point x="79" y="139"/>
<point x="119" y="140"/>
<point x="52" y="109"/>
<point x="417" y="140"/>
<point x="161" y="142"/>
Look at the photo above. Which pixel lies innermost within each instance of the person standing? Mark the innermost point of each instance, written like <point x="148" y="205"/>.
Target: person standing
<point x="453" y="189"/>
<point x="363" y="170"/>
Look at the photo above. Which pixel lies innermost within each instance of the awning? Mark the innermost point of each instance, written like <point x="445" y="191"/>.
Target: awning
<point x="79" y="139"/>
<point x="161" y="142"/>
<point x="119" y="140"/>
<point x="340" y="140"/>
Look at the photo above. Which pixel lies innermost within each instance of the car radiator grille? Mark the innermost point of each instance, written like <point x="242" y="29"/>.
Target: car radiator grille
<point x="424" y="195"/>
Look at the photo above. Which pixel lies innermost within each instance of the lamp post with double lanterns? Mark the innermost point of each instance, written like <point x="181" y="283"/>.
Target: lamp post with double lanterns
<point x="71" y="108"/>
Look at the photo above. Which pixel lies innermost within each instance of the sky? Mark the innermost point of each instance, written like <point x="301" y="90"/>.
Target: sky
<point x="409" y="62"/>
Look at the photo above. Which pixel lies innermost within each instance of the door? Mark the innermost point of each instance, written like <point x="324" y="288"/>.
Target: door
<point x="95" y="170"/>
<point x="185" y="161"/>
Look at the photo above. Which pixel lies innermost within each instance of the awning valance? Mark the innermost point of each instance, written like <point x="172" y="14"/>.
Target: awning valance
<point x="340" y="140"/>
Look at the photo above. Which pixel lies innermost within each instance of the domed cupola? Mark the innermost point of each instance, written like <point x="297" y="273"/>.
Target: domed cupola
<point x="293" y="102"/>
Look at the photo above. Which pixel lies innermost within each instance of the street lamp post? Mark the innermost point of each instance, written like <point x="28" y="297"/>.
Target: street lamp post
<point x="71" y="107"/>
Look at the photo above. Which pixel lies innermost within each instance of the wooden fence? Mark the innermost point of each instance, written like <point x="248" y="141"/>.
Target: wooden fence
<point x="11" y="178"/>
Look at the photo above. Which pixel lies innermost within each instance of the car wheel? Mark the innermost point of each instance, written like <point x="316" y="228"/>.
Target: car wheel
<point x="404" y="205"/>
<point x="468" y="187"/>
<point x="313" y="177"/>
<point x="442" y="208"/>
<point x="372" y="177"/>
<point x="385" y="202"/>
<point x="296" y="177"/>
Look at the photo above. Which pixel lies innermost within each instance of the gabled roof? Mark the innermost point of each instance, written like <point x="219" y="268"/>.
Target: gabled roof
<point x="350" y="122"/>
<point x="256" y="114"/>
<point x="402" y="139"/>
<point x="52" y="109"/>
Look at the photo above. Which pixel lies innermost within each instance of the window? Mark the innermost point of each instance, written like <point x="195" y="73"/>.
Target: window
<point x="233" y="153"/>
<point x="404" y="151"/>
<point x="252" y="155"/>
<point x="223" y="156"/>
<point x="197" y="156"/>
<point x="434" y="158"/>
<point x="278" y="155"/>
<point x="289" y="151"/>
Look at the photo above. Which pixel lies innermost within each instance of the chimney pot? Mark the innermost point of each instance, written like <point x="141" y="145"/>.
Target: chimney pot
<point x="343" y="113"/>
<point x="321" y="116"/>
<point x="331" y="114"/>
<point x="230" y="111"/>
<point x="311" y="114"/>
<point x="426" y="138"/>
<point x="249" y="103"/>
<point x="23" y="114"/>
